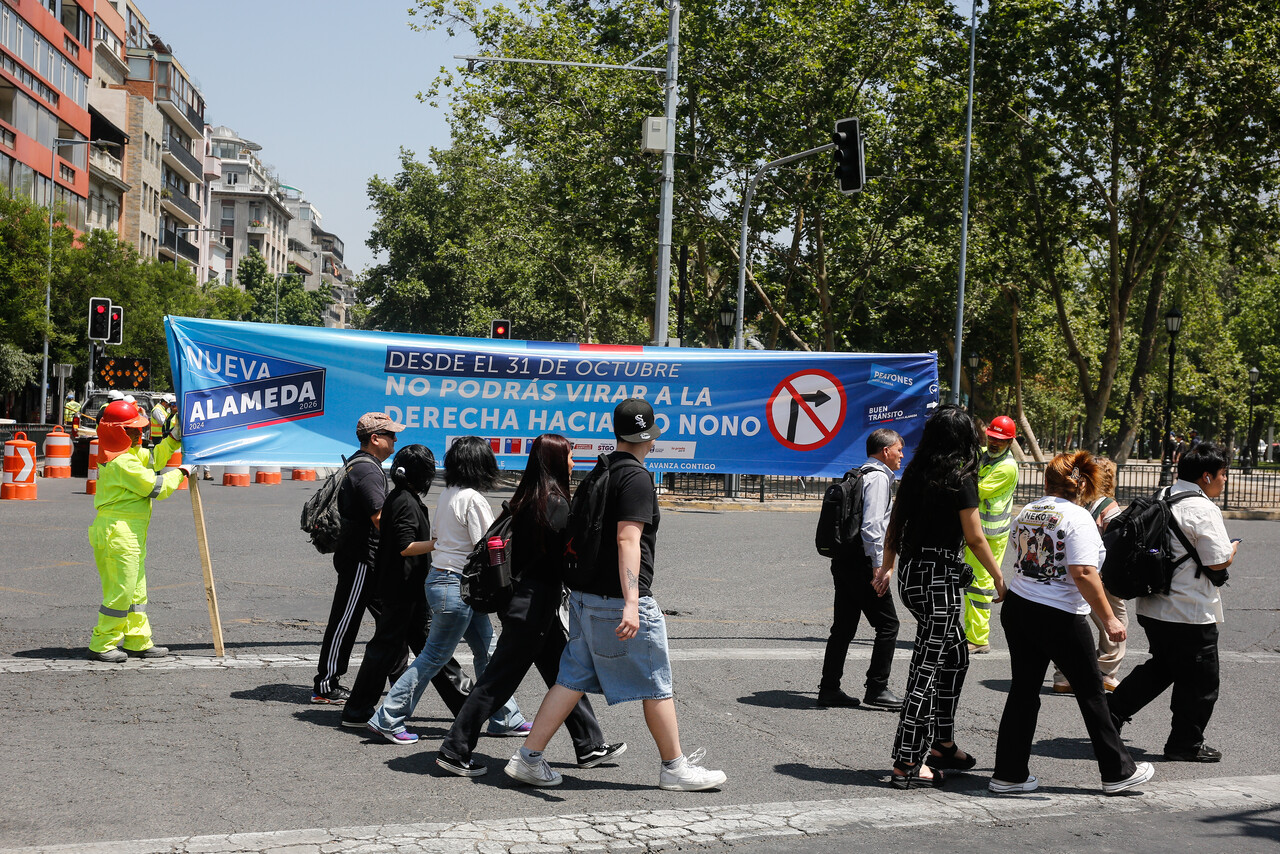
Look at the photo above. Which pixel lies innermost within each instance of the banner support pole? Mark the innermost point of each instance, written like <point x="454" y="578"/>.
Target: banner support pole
<point x="206" y="566"/>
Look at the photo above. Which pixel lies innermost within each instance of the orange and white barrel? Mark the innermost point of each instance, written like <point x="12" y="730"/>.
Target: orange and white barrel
<point x="57" y="453"/>
<point x="91" y="485"/>
<point x="304" y="474"/>
<point x="266" y="474"/>
<point x="235" y="476"/>
<point x="19" y="469"/>
<point x="174" y="462"/>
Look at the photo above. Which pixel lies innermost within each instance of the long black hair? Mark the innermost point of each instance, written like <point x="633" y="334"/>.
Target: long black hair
<point x="546" y="474"/>
<point x="414" y="468"/>
<point x="470" y="463"/>
<point x="946" y="455"/>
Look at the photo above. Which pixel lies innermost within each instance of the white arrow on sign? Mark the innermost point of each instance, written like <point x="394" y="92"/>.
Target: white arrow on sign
<point x="27" y="472"/>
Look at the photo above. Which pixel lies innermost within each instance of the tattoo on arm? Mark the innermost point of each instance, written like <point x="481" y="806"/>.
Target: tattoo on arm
<point x="632" y="581"/>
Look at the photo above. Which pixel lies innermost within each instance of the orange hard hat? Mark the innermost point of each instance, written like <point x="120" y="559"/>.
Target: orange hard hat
<point x="1002" y="427"/>
<point x="123" y="413"/>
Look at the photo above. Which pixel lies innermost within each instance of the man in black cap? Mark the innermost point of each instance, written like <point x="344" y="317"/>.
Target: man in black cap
<point x="631" y="662"/>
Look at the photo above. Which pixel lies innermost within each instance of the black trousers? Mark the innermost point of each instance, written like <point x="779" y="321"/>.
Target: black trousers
<point x="855" y="597"/>
<point x="1037" y="635"/>
<point x="1184" y="655"/>
<point x="403" y="622"/>
<point x="532" y="636"/>
<point x="350" y="599"/>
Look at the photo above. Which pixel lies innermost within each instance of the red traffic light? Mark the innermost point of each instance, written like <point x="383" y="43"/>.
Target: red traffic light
<point x="101" y="309"/>
<point x="499" y="329"/>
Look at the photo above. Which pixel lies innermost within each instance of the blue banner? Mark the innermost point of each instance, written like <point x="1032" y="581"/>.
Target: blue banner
<point x="264" y="394"/>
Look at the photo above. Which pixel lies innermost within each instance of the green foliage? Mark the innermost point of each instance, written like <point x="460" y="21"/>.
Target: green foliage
<point x="16" y="369"/>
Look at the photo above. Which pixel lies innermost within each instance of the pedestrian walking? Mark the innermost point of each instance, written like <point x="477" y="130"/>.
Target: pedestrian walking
<point x="462" y="518"/>
<point x="997" y="481"/>
<point x="862" y="586"/>
<point x="402" y="618"/>
<point x="1182" y="625"/>
<point x="129" y="480"/>
<point x="1053" y="587"/>
<point x="532" y="634"/>
<point x="360" y="500"/>
<point x="617" y="633"/>
<point x="934" y="517"/>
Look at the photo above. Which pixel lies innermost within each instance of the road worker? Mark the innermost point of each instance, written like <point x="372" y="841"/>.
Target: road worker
<point x="997" y="480"/>
<point x="71" y="409"/>
<point x="129" y="479"/>
<point x="159" y="417"/>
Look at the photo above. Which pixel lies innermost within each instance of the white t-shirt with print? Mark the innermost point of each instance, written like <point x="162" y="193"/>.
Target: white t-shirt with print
<point x="1049" y="535"/>
<point x="462" y="517"/>
<point x="1190" y="599"/>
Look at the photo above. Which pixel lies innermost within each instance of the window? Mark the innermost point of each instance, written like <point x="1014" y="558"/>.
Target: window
<point x="228" y="213"/>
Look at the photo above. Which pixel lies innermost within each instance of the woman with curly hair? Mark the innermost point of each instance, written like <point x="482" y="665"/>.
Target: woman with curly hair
<point x="934" y="517"/>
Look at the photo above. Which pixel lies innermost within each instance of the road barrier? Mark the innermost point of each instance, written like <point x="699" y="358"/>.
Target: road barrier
<point x="19" y="469"/>
<point x="91" y="484"/>
<point x="57" y="453"/>
<point x="235" y="476"/>
<point x="304" y="474"/>
<point x="266" y="474"/>
<point x="174" y="462"/>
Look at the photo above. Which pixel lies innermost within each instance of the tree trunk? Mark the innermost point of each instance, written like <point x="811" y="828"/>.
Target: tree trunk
<point x="1020" y="413"/>
<point x="1136" y="399"/>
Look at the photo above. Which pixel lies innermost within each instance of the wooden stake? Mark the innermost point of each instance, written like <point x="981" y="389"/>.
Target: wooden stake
<point x="206" y="563"/>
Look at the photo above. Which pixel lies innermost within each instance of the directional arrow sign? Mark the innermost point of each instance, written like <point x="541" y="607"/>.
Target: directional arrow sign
<point x="806" y="410"/>
<point x="27" y="472"/>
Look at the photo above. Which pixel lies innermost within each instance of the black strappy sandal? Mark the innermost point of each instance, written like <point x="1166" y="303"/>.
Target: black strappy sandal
<point x="947" y="758"/>
<point x="908" y="777"/>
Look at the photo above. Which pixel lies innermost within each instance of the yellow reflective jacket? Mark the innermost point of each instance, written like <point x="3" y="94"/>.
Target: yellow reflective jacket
<point x="127" y="484"/>
<point x="997" y="480"/>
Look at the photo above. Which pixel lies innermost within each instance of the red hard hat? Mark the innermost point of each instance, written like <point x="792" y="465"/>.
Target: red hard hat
<point x="124" y="414"/>
<point x="1002" y="427"/>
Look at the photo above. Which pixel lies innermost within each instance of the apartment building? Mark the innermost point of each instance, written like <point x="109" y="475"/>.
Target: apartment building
<point x="315" y="255"/>
<point x="108" y="120"/>
<point x="46" y="60"/>
<point x="247" y="205"/>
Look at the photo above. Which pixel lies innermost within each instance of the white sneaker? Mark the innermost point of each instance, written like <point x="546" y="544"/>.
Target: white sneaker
<point x="1000" y="787"/>
<point x="535" y="775"/>
<point x="689" y="776"/>
<point x="1142" y="774"/>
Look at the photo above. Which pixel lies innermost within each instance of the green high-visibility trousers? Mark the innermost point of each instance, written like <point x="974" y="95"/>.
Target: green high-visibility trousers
<point x="980" y="593"/>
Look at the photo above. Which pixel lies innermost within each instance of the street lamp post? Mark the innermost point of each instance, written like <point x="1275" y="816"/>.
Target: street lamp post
<point x="727" y="317"/>
<point x="1251" y="450"/>
<point x="974" y="361"/>
<point x="58" y="142"/>
<point x="1172" y="323"/>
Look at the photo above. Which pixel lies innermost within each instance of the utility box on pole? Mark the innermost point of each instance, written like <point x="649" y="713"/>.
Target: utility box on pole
<point x="653" y="135"/>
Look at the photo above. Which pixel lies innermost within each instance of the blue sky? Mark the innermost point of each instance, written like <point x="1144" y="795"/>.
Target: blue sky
<point x="327" y="88"/>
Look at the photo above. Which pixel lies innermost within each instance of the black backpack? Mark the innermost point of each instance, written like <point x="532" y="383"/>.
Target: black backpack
<point x="586" y="523"/>
<point x="487" y="588"/>
<point x="1139" y="558"/>
<point x="839" y="531"/>
<point x="320" y="516"/>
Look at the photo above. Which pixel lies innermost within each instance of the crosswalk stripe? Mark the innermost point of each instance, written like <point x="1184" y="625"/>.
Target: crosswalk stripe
<point x="655" y="829"/>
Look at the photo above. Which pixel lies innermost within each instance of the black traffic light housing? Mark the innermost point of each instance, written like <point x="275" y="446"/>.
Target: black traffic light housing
<point x="99" y="318"/>
<point x="117" y="325"/>
<point x="850" y="170"/>
<point x="500" y="329"/>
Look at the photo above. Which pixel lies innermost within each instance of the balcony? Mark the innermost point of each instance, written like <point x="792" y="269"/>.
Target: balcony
<point x="107" y="168"/>
<point x="192" y="121"/>
<point x="186" y="162"/>
<point x="180" y="206"/>
<point x="303" y="261"/>
<point x="212" y="168"/>
<point x="257" y="226"/>
<point x="181" y="246"/>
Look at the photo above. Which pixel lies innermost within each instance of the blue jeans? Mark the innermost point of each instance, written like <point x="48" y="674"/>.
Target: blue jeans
<point x="452" y="620"/>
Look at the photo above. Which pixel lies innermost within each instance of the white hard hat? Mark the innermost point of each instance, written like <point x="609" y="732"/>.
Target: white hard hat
<point x="115" y="394"/>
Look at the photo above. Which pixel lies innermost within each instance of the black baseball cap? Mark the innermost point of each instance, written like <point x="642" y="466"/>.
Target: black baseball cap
<point x="633" y="421"/>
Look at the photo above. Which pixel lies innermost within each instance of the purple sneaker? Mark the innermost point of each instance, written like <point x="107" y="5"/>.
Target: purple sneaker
<point x="402" y="737"/>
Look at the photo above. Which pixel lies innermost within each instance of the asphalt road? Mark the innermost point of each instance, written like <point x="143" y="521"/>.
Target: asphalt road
<point x="201" y="754"/>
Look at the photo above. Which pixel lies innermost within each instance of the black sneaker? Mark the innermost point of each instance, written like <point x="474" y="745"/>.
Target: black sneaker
<point x="1200" y="753"/>
<point x="836" y="700"/>
<point x="883" y="699"/>
<point x="335" y="696"/>
<point x="461" y="767"/>
<point x="603" y="753"/>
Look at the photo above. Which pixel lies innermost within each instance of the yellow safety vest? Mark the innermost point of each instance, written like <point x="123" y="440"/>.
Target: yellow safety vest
<point x="997" y="480"/>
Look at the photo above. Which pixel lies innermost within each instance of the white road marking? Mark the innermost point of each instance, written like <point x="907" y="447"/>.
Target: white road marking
<point x="651" y="830"/>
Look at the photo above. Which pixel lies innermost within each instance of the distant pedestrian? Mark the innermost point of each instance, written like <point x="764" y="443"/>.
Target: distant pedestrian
<point x="462" y="517"/>
<point x="399" y="605"/>
<point x="129" y="479"/>
<point x="532" y="633"/>
<point x="360" y="500"/>
<point x="70" y="409"/>
<point x="630" y="661"/>
<point x="934" y="517"/>
<point x="1054" y="585"/>
<point x="1182" y="625"/>
<point x="862" y="586"/>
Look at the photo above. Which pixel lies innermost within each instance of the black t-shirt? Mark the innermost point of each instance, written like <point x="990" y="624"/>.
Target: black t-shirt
<point x="361" y="495"/>
<point x="537" y="551"/>
<point x="632" y="498"/>
<point x="404" y="521"/>
<point x="942" y="529"/>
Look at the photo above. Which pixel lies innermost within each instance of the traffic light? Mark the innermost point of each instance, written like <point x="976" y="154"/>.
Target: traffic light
<point x="99" y="318"/>
<point x="500" y="329"/>
<point x="117" y="325"/>
<point x="850" y="170"/>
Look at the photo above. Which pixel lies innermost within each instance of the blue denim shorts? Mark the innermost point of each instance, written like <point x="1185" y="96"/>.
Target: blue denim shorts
<point x="595" y="661"/>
